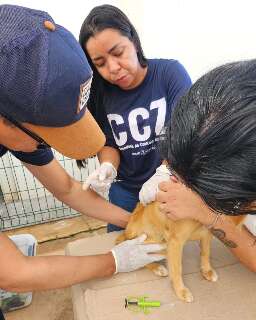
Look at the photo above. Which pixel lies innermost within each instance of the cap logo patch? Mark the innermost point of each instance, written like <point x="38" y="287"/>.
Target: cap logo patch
<point x="84" y="94"/>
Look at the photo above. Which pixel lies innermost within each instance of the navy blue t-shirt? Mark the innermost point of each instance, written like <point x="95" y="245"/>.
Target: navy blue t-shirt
<point x="134" y="119"/>
<point x="38" y="158"/>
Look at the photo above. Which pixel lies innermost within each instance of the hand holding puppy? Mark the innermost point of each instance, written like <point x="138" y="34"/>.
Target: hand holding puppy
<point x="149" y="189"/>
<point x="134" y="254"/>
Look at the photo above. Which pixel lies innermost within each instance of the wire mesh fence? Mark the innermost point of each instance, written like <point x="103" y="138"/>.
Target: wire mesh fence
<point x="23" y="199"/>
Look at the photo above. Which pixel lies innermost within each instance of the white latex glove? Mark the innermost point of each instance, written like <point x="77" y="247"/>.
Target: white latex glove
<point x="134" y="254"/>
<point x="149" y="189"/>
<point x="101" y="178"/>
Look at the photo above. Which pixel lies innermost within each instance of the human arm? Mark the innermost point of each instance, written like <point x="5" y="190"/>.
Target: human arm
<point x="179" y="202"/>
<point x="109" y="154"/>
<point x="66" y="189"/>
<point x="177" y="81"/>
<point x="20" y="273"/>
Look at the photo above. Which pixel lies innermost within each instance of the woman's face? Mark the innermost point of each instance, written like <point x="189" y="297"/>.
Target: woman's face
<point x="115" y="58"/>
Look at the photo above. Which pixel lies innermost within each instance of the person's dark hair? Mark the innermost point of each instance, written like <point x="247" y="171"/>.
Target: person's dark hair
<point x="211" y="140"/>
<point x="101" y="18"/>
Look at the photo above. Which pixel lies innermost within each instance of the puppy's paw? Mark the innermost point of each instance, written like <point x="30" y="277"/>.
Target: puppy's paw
<point x="161" y="271"/>
<point x="185" y="294"/>
<point x="210" y="275"/>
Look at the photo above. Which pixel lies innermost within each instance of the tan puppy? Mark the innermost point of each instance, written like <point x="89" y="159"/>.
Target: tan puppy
<point x="160" y="229"/>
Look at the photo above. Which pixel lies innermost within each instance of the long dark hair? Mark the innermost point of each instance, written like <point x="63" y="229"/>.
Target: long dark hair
<point x="99" y="19"/>
<point x="211" y="140"/>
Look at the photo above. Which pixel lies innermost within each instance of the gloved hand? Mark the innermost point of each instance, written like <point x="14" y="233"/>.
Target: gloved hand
<point x="149" y="189"/>
<point x="101" y="178"/>
<point x="133" y="254"/>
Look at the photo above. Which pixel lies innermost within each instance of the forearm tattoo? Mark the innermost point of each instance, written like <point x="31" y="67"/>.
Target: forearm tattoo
<point x="221" y="235"/>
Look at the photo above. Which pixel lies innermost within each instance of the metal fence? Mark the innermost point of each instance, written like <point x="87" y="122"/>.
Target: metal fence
<point x="23" y="199"/>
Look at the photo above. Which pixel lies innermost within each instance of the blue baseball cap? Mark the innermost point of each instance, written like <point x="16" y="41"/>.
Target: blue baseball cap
<point x="45" y="82"/>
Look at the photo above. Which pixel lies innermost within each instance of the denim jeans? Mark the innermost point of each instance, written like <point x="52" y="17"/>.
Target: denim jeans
<point x="122" y="198"/>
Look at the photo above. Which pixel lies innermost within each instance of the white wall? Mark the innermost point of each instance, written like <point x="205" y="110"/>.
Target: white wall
<point x="200" y="33"/>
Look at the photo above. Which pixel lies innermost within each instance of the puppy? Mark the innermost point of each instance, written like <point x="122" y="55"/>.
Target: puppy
<point x="175" y="234"/>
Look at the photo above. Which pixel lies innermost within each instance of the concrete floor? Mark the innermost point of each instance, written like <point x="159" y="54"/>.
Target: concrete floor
<point x="55" y="304"/>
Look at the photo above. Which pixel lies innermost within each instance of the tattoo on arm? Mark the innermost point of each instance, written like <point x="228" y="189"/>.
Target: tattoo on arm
<point x="221" y="235"/>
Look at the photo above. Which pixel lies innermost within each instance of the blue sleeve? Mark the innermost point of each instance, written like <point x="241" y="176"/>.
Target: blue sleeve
<point x="39" y="157"/>
<point x="178" y="81"/>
